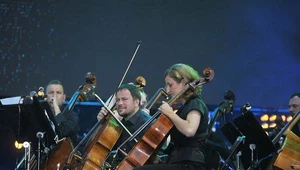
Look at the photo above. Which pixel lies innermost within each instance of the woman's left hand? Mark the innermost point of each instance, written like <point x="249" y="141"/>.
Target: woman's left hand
<point x="166" y="109"/>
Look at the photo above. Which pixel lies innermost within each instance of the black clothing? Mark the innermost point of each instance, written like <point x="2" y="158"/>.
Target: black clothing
<point x="132" y="124"/>
<point x="188" y="152"/>
<point x="68" y="127"/>
<point x="190" y="148"/>
<point x="296" y="129"/>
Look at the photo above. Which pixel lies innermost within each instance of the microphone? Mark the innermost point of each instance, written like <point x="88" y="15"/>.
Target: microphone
<point x="40" y="135"/>
<point x="29" y="99"/>
<point x="26" y="144"/>
<point x="41" y="92"/>
<point x="32" y="93"/>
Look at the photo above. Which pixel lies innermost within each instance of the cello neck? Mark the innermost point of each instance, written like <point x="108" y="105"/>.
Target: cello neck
<point x="287" y="128"/>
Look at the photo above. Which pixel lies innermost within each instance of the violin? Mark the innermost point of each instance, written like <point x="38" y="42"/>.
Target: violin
<point x="146" y="149"/>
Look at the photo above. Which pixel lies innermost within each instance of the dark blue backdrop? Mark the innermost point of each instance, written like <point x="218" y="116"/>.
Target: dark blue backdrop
<point x="253" y="46"/>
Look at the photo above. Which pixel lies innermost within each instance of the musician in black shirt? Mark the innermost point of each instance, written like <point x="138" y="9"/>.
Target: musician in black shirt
<point x="67" y="124"/>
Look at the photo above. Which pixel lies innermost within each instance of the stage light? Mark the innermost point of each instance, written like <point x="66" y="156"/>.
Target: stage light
<point x="272" y="118"/>
<point x="18" y="145"/>
<point x="283" y="117"/>
<point x="264" y="118"/>
<point x="289" y="118"/>
<point x="265" y="125"/>
<point x="272" y="125"/>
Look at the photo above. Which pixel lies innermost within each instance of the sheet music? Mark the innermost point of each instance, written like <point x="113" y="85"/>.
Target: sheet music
<point x="12" y="100"/>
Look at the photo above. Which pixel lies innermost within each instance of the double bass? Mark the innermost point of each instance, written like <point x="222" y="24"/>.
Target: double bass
<point x="147" y="147"/>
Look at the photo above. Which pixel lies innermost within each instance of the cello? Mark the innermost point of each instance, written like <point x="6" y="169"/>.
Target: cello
<point x="289" y="154"/>
<point x="103" y="136"/>
<point x="58" y="157"/>
<point x="146" y="149"/>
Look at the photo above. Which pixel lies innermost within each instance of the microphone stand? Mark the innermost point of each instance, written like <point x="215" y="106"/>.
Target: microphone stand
<point x="39" y="135"/>
<point x="27" y="147"/>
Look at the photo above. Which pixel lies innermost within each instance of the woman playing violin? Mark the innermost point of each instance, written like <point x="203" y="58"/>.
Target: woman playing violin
<point x="190" y="122"/>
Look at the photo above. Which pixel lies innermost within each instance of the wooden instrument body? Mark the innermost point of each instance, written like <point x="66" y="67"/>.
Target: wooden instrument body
<point x="59" y="156"/>
<point x="148" y="144"/>
<point x="107" y="135"/>
<point x="290" y="153"/>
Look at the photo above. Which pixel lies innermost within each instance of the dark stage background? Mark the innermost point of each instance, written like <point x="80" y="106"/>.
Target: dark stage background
<point x="253" y="46"/>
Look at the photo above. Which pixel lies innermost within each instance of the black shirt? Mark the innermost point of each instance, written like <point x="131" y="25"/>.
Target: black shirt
<point x="190" y="148"/>
<point x="68" y="127"/>
<point x="296" y="129"/>
<point x="132" y="124"/>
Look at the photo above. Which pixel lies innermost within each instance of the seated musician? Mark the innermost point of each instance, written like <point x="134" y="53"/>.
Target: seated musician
<point x="190" y="122"/>
<point x="128" y="99"/>
<point x="67" y="124"/>
<point x="294" y="107"/>
<point x="144" y="102"/>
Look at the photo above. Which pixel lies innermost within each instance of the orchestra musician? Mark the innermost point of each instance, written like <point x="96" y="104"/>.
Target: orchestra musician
<point x="190" y="122"/>
<point x="68" y="127"/>
<point x="128" y="109"/>
<point x="144" y="102"/>
<point x="294" y="107"/>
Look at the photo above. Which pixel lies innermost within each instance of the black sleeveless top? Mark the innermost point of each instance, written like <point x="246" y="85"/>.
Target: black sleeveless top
<point x="190" y="148"/>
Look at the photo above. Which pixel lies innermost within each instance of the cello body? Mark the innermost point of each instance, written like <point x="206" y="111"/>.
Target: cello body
<point x="146" y="149"/>
<point x="103" y="141"/>
<point x="59" y="156"/>
<point x="290" y="154"/>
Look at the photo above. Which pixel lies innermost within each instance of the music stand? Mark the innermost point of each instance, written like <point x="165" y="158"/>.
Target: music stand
<point x="29" y="116"/>
<point x="250" y="127"/>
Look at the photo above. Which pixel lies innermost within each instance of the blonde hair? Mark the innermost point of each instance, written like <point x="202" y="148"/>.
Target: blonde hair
<point x="183" y="72"/>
